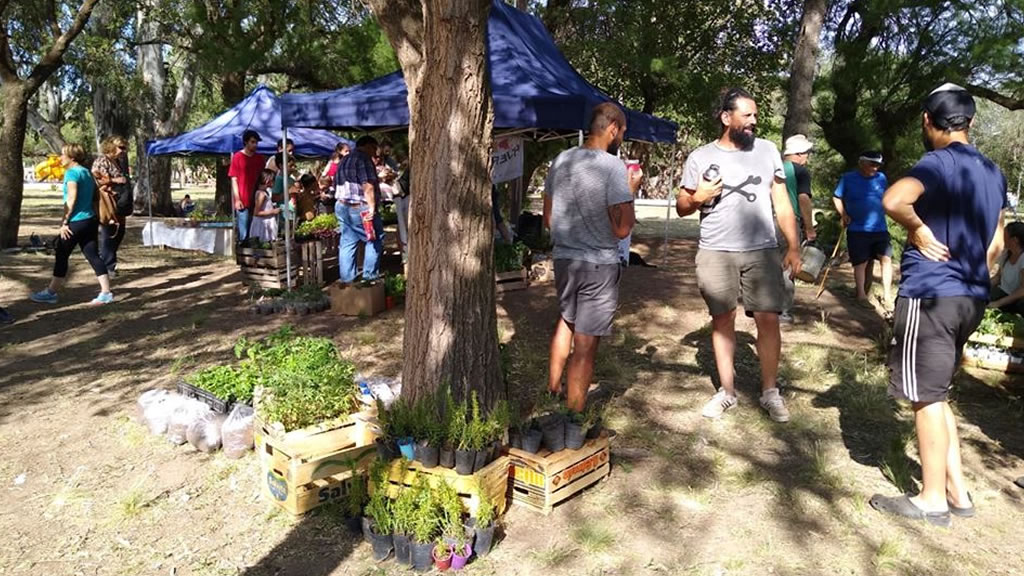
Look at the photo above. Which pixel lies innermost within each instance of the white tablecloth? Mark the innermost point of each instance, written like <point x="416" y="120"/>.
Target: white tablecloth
<point x="210" y="240"/>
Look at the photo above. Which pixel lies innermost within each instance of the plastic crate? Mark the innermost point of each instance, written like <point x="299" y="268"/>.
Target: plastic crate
<point x="216" y="404"/>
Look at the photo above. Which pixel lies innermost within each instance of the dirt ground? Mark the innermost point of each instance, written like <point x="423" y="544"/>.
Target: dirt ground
<point x="86" y="490"/>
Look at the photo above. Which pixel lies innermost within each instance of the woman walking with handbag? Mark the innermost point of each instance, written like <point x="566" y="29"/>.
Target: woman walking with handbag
<point x="79" y="227"/>
<point x="111" y="180"/>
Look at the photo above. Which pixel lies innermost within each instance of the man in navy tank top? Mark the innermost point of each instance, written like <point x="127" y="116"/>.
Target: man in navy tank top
<point x="951" y="204"/>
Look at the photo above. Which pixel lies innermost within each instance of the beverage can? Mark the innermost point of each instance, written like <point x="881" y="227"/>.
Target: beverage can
<point x="367" y="218"/>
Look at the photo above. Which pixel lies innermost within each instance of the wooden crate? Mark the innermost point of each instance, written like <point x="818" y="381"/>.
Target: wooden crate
<point x="1011" y="344"/>
<point x="319" y="261"/>
<point x="268" y="268"/>
<point x="511" y="281"/>
<point x="1007" y="367"/>
<point x="306" y="468"/>
<point x="997" y="341"/>
<point x="492" y="479"/>
<point x="541" y="481"/>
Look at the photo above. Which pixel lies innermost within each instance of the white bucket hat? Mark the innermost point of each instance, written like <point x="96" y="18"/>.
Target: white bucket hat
<point x="797" y="144"/>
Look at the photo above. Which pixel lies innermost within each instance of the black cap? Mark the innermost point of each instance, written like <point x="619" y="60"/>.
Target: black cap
<point x="949" y="105"/>
<point x="249" y="134"/>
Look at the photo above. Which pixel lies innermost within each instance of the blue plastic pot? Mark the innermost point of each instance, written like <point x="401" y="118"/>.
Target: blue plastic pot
<point x="408" y="448"/>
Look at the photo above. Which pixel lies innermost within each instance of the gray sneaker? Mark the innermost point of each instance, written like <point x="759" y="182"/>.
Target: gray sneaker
<point x="785" y="318"/>
<point x="772" y="401"/>
<point x="718" y="404"/>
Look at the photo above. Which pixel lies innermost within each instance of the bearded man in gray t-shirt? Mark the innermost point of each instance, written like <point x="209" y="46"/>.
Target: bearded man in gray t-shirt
<point x="738" y="248"/>
<point x="588" y="206"/>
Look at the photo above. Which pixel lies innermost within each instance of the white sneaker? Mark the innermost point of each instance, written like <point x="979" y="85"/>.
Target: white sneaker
<point x="718" y="404"/>
<point x="772" y="401"/>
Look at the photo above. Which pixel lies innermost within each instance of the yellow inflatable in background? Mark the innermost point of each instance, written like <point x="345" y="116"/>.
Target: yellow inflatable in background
<point x="50" y="169"/>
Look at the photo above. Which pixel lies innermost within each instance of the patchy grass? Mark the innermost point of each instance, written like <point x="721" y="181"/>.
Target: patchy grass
<point x="895" y="465"/>
<point x="133" y="502"/>
<point x="553" y="556"/>
<point x="889" y="556"/>
<point x="593" y="537"/>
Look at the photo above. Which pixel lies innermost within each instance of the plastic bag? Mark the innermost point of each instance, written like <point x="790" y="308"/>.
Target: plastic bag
<point x="157" y="415"/>
<point x="147" y="399"/>
<point x="204" y="433"/>
<point x="187" y="412"/>
<point x="236" y="434"/>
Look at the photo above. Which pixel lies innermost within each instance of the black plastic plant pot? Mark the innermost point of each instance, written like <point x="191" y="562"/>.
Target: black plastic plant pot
<point x="447" y="458"/>
<point x="367" y="524"/>
<point x="483" y="541"/>
<point x="403" y="549"/>
<point x="428" y="455"/>
<point x="382" y="545"/>
<point x="354" y="525"/>
<point x="464" y="460"/>
<point x="554" y="436"/>
<point x="515" y="441"/>
<point x="481" y="459"/>
<point x="417" y="452"/>
<point x="532" y="440"/>
<point x="386" y="449"/>
<point x="594" y="431"/>
<point x="574" y="436"/>
<point x="422" y="560"/>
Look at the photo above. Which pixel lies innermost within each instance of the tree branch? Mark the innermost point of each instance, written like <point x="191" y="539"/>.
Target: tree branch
<point x="48" y="131"/>
<point x="1008" y="102"/>
<point x="52" y="59"/>
<point x="8" y="69"/>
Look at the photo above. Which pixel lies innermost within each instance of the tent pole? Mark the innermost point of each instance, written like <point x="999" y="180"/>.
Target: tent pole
<point x="149" y="198"/>
<point x="668" y="216"/>
<point x="287" y="211"/>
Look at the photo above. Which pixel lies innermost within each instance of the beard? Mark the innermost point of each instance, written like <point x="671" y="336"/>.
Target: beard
<point x="613" y="147"/>
<point x="743" y="139"/>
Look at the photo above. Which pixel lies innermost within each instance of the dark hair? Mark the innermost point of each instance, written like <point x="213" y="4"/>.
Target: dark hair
<point x="727" y="102"/>
<point x="281" y="143"/>
<point x="1016" y="230"/>
<point x="188" y="196"/>
<point x="604" y="115"/>
<point x="308" y="180"/>
<point x="366" y="141"/>
<point x="249" y="135"/>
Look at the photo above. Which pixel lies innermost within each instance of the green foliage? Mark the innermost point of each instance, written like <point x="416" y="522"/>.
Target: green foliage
<point x="357" y="497"/>
<point x="304" y="380"/>
<point x="485" y="510"/>
<point x="394" y="285"/>
<point x="400" y="419"/>
<point x="404" y="508"/>
<point x="427" y="519"/>
<point x="1002" y="324"/>
<point x="477" y="429"/>
<point x="379" y="508"/>
<point x="450" y="504"/>
<point x="324" y="226"/>
<point x="458" y="425"/>
<point x="224" y="383"/>
<point x="509" y="257"/>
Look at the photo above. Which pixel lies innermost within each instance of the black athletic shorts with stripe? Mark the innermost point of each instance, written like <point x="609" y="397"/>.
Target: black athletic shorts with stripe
<point x="928" y="341"/>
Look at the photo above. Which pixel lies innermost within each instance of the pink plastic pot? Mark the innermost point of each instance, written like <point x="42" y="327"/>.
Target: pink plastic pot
<point x="459" y="560"/>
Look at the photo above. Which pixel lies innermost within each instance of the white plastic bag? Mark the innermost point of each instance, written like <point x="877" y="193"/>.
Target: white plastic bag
<point x="187" y="412"/>
<point x="147" y="399"/>
<point x="236" y="434"/>
<point x="157" y="415"/>
<point x="204" y="433"/>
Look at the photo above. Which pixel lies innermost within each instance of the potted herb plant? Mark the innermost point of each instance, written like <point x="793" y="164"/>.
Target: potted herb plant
<point x="355" y="500"/>
<point x="442" y="555"/>
<point x="532" y="438"/>
<point x="424" y="530"/>
<point x="387" y="449"/>
<point x="464" y="454"/>
<point x="479" y="435"/>
<point x="454" y="423"/>
<point x="553" y="428"/>
<point x="575" y="435"/>
<point x="404" y="512"/>
<point x="484" y="525"/>
<point x="378" y="523"/>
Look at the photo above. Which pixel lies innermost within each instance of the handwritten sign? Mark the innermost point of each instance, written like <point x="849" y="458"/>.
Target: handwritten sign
<point x="506" y="159"/>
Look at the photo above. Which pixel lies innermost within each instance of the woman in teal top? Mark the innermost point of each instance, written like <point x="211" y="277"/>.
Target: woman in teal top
<point x="80" y="227"/>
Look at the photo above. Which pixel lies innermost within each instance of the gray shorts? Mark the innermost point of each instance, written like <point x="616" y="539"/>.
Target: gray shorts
<point x="587" y="295"/>
<point x="723" y="276"/>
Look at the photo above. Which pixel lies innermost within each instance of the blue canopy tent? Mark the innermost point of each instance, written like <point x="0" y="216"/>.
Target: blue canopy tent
<point x="534" y="87"/>
<point x="259" y="111"/>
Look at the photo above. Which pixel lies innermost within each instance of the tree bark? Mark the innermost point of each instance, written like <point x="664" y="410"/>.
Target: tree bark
<point x="110" y="117"/>
<point x="49" y="132"/>
<point x="802" y="72"/>
<point x="16" y="93"/>
<point x="232" y="90"/>
<point x="451" y="322"/>
<point x="12" y="173"/>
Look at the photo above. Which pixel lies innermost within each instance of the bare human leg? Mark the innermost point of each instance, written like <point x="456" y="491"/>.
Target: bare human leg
<point x="581" y="370"/>
<point x="887" y="280"/>
<point x="933" y="447"/>
<point x="561" y="346"/>
<point x="858" y="278"/>
<point x="723" y="341"/>
<point x="956" y="488"/>
<point x="769" y="347"/>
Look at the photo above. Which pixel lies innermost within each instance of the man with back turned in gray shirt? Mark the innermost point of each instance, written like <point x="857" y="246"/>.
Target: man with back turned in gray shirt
<point x="738" y="251"/>
<point x="588" y="206"/>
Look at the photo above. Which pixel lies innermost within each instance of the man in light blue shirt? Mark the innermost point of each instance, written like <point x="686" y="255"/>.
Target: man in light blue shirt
<point x="858" y="199"/>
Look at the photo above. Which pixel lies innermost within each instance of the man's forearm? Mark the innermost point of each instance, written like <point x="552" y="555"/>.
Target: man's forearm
<point x="370" y="197"/>
<point x="685" y="203"/>
<point x="234" y="190"/>
<point x="807" y="213"/>
<point x="905" y="215"/>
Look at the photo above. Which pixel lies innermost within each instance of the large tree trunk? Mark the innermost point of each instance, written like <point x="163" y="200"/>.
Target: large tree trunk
<point x="49" y="132"/>
<point x="155" y="180"/>
<point x="801" y="75"/>
<point x="12" y="173"/>
<point x="232" y="90"/>
<point x="451" y="323"/>
<point x="110" y="116"/>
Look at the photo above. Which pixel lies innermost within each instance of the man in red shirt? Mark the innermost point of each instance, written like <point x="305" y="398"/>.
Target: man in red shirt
<point x="245" y="170"/>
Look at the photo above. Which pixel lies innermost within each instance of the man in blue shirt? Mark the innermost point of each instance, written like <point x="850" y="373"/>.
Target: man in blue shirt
<point x="951" y="204"/>
<point x="358" y="196"/>
<point x="858" y="199"/>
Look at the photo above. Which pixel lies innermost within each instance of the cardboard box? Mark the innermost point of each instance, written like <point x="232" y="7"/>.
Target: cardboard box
<point x="357" y="299"/>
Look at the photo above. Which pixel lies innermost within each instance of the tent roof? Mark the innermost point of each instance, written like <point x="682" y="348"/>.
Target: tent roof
<point x="259" y="111"/>
<point x="533" y="85"/>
